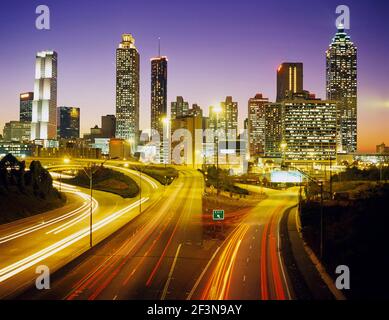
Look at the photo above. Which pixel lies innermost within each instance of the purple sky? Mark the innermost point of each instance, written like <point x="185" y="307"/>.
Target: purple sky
<point x="215" y="48"/>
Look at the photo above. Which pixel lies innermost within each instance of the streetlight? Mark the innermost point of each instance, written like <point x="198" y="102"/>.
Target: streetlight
<point x="90" y="176"/>
<point x="140" y="189"/>
<point x="217" y="110"/>
<point x="320" y="185"/>
<point x="165" y="121"/>
<point x="66" y="160"/>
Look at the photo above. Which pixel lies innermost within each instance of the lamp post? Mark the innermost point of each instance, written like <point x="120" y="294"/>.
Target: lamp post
<point x="65" y="161"/>
<point x="90" y="176"/>
<point x="331" y="174"/>
<point x="140" y="190"/>
<point x="321" y="221"/>
<point x="165" y="121"/>
<point x="320" y="185"/>
<point x="217" y="110"/>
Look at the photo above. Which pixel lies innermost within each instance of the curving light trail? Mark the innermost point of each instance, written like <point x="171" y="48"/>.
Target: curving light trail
<point x="31" y="260"/>
<point x="67" y="188"/>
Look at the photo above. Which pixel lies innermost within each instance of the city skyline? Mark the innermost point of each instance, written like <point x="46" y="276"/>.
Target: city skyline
<point x="173" y="153"/>
<point x="241" y="85"/>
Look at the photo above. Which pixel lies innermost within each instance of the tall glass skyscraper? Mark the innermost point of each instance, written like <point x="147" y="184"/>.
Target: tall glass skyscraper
<point x="68" y="122"/>
<point x="179" y="108"/>
<point x="341" y="71"/>
<point x="26" y="99"/>
<point x="225" y="118"/>
<point x="127" y="89"/>
<point x="290" y="79"/>
<point x="256" y="124"/>
<point x="158" y="93"/>
<point x="44" y="107"/>
<point x="273" y="129"/>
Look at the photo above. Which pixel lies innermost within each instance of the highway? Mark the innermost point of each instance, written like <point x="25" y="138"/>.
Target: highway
<point x="249" y="264"/>
<point x="163" y="254"/>
<point x="143" y="260"/>
<point x="57" y="237"/>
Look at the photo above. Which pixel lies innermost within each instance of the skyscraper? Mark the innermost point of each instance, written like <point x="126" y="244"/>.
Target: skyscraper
<point x="68" y="122"/>
<point x="341" y="71"/>
<point x="158" y="93"/>
<point x="289" y="79"/>
<point x="224" y="118"/>
<point x="127" y="89"/>
<point x="179" y="108"/>
<point x="309" y="129"/>
<point x="108" y="125"/>
<point x="273" y="129"/>
<point x="25" y="113"/>
<point x="44" y="107"/>
<point x="195" y="110"/>
<point x="256" y="124"/>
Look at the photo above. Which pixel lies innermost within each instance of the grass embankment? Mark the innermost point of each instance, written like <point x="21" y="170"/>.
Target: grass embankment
<point x="235" y="206"/>
<point x="108" y="180"/>
<point x="164" y="176"/>
<point x="355" y="235"/>
<point x="15" y="205"/>
<point x="25" y="193"/>
<point x="221" y="179"/>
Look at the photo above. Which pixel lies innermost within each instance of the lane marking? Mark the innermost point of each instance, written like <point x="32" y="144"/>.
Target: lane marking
<point x="202" y="274"/>
<point x="164" y="293"/>
<point x="31" y="260"/>
<point x="282" y="264"/>
<point x="45" y="224"/>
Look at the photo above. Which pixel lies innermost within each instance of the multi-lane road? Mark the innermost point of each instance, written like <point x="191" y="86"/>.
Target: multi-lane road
<point x="156" y="256"/>
<point x="163" y="254"/>
<point x="250" y="264"/>
<point x="55" y="238"/>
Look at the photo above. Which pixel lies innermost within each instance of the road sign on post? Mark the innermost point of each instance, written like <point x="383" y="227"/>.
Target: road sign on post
<point x="218" y="215"/>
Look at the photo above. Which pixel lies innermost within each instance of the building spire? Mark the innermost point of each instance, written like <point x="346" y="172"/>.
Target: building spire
<point x="340" y="27"/>
<point x="159" y="46"/>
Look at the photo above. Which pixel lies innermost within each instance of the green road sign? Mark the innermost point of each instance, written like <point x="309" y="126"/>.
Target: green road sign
<point x="218" y="215"/>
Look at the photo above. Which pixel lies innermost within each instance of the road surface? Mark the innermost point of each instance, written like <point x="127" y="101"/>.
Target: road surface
<point x="249" y="264"/>
<point x="163" y="254"/>
<point x="56" y="238"/>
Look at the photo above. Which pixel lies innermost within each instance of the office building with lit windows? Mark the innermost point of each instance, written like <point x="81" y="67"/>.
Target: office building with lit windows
<point x="256" y="124"/>
<point x="127" y="89"/>
<point x="188" y="139"/>
<point x="289" y="79"/>
<point x="341" y="79"/>
<point x="25" y="111"/>
<point x="17" y="131"/>
<point x="195" y="111"/>
<point x="108" y="125"/>
<point x="44" y="107"/>
<point x="68" y="123"/>
<point x="309" y="129"/>
<point x="273" y="130"/>
<point x="224" y="118"/>
<point x="158" y="93"/>
<point x="179" y="108"/>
